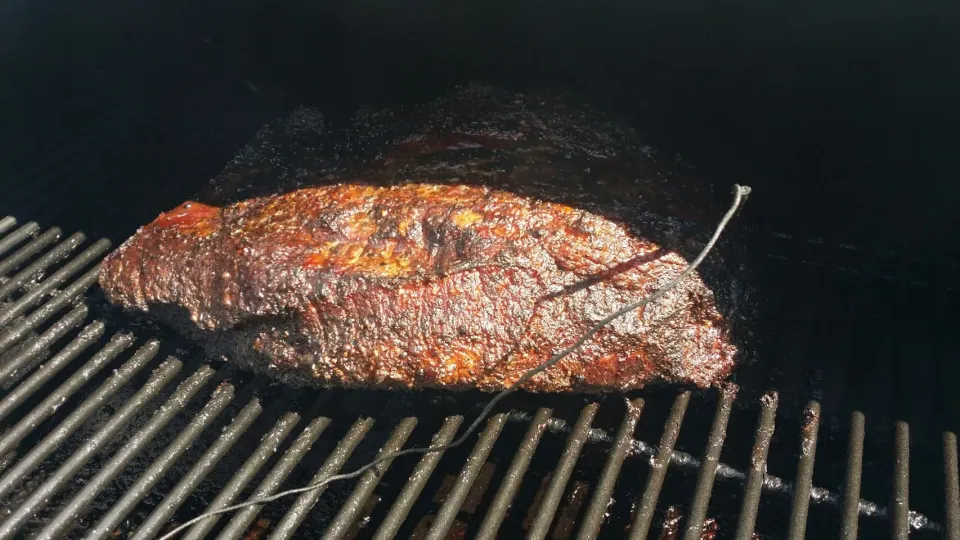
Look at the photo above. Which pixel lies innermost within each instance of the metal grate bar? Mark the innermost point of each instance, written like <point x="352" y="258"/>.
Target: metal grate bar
<point x="418" y="479"/>
<point x="221" y="397"/>
<point x="24" y="360"/>
<point x="852" y="480"/>
<point x="34" y="295"/>
<point x="39" y="266"/>
<point x="708" y="468"/>
<point x="514" y="476"/>
<point x="18" y="331"/>
<point x="951" y="478"/>
<point x="32" y="248"/>
<point x="804" y="483"/>
<point x="454" y="500"/>
<point x="354" y="504"/>
<point x="33" y="257"/>
<point x="84" y="339"/>
<point x="551" y="499"/>
<point x="7" y="223"/>
<point x="52" y="441"/>
<point x="602" y="496"/>
<point x="92" y="253"/>
<point x="758" y="467"/>
<point x="899" y="505"/>
<point x="29" y="230"/>
<point x="268" y="446"/>
<point x="275" y="477"/>
<point x="658" y="469"/>
<point x="39" y="498"/>
<point x="158" y="518"/>
<point x="160" y="419"/>
<point x="288" y="525"/>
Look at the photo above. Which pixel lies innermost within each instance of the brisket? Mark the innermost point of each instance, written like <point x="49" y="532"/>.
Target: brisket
<point x="451" y="244"/>
<point x="419" y="286"/>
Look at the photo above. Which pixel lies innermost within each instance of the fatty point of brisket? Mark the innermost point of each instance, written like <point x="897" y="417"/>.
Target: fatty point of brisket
<point x="421" y="285"/>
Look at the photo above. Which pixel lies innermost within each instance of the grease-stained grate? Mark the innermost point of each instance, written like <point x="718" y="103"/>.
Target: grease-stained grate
<point x="89" y="404"/>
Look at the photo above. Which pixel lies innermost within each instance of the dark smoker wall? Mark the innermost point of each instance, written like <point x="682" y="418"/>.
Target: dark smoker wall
<point x="842" y="114"/>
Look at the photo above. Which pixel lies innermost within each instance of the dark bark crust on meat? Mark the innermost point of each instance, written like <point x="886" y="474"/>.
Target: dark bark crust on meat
<point x="453" y="245"/>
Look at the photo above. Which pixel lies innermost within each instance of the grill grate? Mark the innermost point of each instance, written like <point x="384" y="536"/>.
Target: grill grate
<point x="106" y="437"/>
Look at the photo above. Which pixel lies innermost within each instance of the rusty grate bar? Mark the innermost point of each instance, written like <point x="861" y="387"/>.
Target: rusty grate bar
<point x="36" y="315"/>
<point x="758" y="467"/>
<point x="804" y="484"/>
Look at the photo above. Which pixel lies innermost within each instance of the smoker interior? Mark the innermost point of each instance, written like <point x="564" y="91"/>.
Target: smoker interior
<point x="837" y="115"/>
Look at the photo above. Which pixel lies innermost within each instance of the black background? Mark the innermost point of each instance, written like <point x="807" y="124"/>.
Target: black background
<point x="842" y="115"/>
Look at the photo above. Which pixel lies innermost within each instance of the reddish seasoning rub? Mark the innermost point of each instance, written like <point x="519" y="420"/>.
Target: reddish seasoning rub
<point x="421" y="286"/>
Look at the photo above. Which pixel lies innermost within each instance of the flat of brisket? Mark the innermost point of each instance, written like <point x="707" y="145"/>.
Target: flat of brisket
<point x="421" y="286"/>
